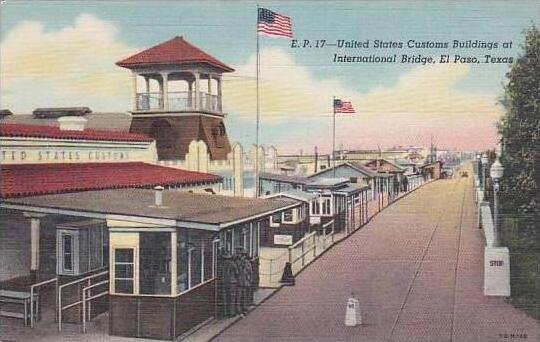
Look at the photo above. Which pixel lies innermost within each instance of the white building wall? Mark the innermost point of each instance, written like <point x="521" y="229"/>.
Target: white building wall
<point x="23" y="150"/>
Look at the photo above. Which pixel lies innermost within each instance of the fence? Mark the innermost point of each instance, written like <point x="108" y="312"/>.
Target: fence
<point x="303" y="252"/>
<point x="273" y="260"/>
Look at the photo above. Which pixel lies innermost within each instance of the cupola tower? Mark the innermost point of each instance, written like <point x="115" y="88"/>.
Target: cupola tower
<point x="177" y="98"/>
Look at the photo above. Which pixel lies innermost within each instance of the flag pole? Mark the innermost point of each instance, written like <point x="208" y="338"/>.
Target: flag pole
<point x="258" y="111"/>
<point x="334" y="135"/>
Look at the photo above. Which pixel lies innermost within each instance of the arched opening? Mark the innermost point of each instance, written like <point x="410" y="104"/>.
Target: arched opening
<point x="165" y="136"/>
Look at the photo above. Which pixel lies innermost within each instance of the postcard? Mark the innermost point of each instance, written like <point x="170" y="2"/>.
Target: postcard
<point x="269" y="171"/>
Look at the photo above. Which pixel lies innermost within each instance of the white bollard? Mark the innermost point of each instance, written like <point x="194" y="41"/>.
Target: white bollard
<point x="353" y="317"/>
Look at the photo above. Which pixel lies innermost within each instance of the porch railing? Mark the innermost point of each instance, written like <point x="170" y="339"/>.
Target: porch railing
<point x="149" y="101"/>
<point x="179" y="101"/>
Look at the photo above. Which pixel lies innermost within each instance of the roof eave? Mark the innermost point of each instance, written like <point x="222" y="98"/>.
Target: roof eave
<point x="130" y="65"/>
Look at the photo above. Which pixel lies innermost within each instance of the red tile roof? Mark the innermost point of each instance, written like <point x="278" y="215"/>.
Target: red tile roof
<point x="52" y="132"/>
<point x="174" y="51"/>
<point x="40" y="179"/>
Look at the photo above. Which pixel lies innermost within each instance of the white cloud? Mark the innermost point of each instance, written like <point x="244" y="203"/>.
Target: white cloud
<point x="287" y="89"/>
<point x="75" y="66"/>
<point x="425" y="100"/>
<point x="69" y="67"/>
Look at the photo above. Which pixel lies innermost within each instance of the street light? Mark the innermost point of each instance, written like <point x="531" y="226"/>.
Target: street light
<point x="496" y="172"/>
<point x="485" y="161"/>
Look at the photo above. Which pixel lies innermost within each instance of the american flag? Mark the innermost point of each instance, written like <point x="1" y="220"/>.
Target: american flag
<point x="343" y="107"/>
<point x="273" y="24"/>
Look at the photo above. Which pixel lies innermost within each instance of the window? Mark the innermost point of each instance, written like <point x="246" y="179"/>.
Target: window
<point x="245" y="238"/>
<point x="182" y="261"/>
<point x="288" y="216"/>
<point x="326" y="206"/>
<point x="275" y="220"/>
<point x="123" y="270"/>
<point x="256" y="237"/>
<point x="208" y="257"/>
<point x="67" y="252"/>
<point x="315" y="207"/>
<point x="237" y="238"/>
<point x="155" y="263"/>
<point x="197" y="258"/>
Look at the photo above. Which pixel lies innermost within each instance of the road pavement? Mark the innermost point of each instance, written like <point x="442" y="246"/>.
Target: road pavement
<point x="417" y="271"/>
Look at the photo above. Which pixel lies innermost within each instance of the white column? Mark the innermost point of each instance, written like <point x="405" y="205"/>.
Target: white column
<point x="197" y="91"/>
<point x="34" y="239"/>
<point x="219" y="93"/>
<point x="174" y="262"/>
<point x="165" y="90"/>
<point x="190" y="94"/>
<point x="134" y="90"/>
<point x="209" y="84"/>
<point x="147" y="83"/>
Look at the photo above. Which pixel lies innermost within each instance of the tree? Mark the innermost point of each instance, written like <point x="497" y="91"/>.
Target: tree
<point x="520" y="131"/>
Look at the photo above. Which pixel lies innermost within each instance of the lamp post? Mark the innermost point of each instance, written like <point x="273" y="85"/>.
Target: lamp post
<point x="485" y="161"/>
<point x="496" y="172"/>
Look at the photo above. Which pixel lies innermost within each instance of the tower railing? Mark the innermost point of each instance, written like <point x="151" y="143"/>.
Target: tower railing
<point x="179" y="101"/>
<point x="149" y="101"/>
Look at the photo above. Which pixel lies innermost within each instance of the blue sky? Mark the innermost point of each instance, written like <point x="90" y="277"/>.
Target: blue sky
<point x="227" y="31"/>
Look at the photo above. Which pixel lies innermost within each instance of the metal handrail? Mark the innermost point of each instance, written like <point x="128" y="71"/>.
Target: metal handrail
<point x="60" y="308"/>
<point x="302" y="240"/>
<point x="32" y="287"/>
<point x="84" y="299"/>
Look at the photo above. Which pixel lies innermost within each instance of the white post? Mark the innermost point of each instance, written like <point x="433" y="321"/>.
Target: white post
<point x="202" y="260"/>
<point x="165" y="90"/>
<point x="219" y="93"/>
<point x="174" y="262"/>
<point x="34" y="243"/>
<point x="197" y="91"/>
<point x="134" y="90"/>
<point x="147" y="84"/>
<point x="35" y="225"/>
<point x="190" y="95"/>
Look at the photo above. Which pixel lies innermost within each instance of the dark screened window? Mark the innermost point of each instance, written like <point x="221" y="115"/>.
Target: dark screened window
<point x="123" y="270"/>
<point x="288" y="216"/>
<point x="154" y="263"/>
<point x="276" y="218"/>
<point x="67" y="243"/>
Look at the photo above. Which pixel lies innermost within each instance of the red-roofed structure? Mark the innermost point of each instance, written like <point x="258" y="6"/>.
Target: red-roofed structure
<point x="51" y="132"/>
<point x="197" y="79"/>
<point x="20" y="180"/>
<point x="176" y="51"/>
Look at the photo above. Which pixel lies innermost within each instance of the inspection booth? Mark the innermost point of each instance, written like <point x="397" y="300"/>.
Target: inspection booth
<point x="163" y="250"/>
<point x="287" y="227"/>
<point x="272" y="183"/>
<point x="340" y="202"/>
